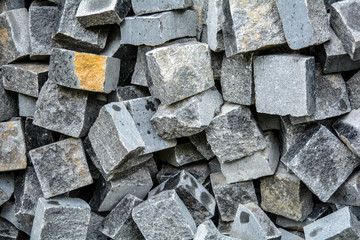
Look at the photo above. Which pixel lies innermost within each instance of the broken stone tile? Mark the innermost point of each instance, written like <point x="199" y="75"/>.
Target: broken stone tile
<point x="229" y="195"/>
<point x="12" y="146"/>
<point x="200" y="203"/>
<point x="214" y="23"/>
<point x="140" y="76"/>
<point x="25" y="78"/>
<point x="252" y="223"/>
<point x="26" y="105"/>
<point x="61" y="218"/>
<point x="14" y="33"/>
<point x="180" y="155"/>
<point x="192" y="73"/>
<point x="345" y="27"/>
<point x="234" y="134"/>
<point x="260" y="164"/>
<point x="84" y="71"/>
<point x="142" y="110"/>
<point x="268" y="122"/>
<point x="7" y="185"/>
<point x="341" y="224"/>
<point x="164" y="216"/>
<point x="207" y="230"/>
<point x="201" y="144"/>
<point x="286" y="235"/>
<point x="295" y="96"/>
<point x="187" y="117"/>
<point x="7" y="5"/>
<point x="330" y="161"/>
<point x="37" y="136"/>
<point x="250" y="26"/>
<point x="123" y="93"/>
<point x="72" y="35"/>
<point x="140" y="7"/>
<point x="237" y="80"/>
<point x="21" y="222"/>
<point x="94" y="13"/>
<point x="8" y="103"/>
<point x="144" y="30"/>
<point x="353" y="90"/>
<point x="108" y="193"/>
<point x="93" y="232"/>
<point x="61" y="167"/>
<point x="305" y="23"/>
<point x="118" y="224"/>
<point x="285" y="195"/>
<point x="7" y="230"/>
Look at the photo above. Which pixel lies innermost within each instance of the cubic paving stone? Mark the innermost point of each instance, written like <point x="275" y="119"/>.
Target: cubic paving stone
<point x="200" y="203"/>
<point x="353" y="90"/>
<point x="7" y="5"/>
<point x="142" y="110"/>
<point x="140" y="76"/>
<point x="108" y="193"/>
<point x="179" y="71"/>
<point x="37" y="136"/>
<point x="26" y="105"/>
<point x="68" y="111"/>
<point x="140" y="8"/>
<point x="214" y="22"/>
<point x="237" y="83"/>
<point x="7" y="230"/>
<point x="25" y="78"/>
<point x="180" y="155"/>
<point x="61" y="167"/>
<point x="144" y="30"/>
<point x="234" y="134"/>
<point x="295" y="96"/>
<point x="14" y="34"/>
<point x="164" y="216"/>
<point x="207" y="231"/>
<point x="187" y="117"/>
<point x="252" y="223"/>
<point x="284" y="194"/>
<point x="305" y="23"/>
<point x="346" y="28"/>
<point x="22" y="222"/>
<point x="123" y="93"/>
<point x="330" y="161"/>
<point x="286" y="235"/>
<point x="8" y="103"/>
<point x="84" y="71"/>
<point x="61" y="218"/>
<point x="116" y="129"/>
<point x="341" y="224"/>
<point x="93" y="232"/>
<point x="12" y="146"/>
<point x="72" y="35"/>
<point x="118" y="224"/>
<point x="229" y="195"/>
<point x="201" y="144"/>
<point x="94" y="13"/>
<point x="250" y="26"/>
<point x="7" y="186"/>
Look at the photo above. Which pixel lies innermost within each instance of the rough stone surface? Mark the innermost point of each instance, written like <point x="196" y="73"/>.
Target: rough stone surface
<point x="201" y="144"/>
<point x="140" y="76"/>
<point x="208" y="231"/>
<point x="214" y="23"/>
<point x="7" y="5"/>
<point x="7" y="230"/>
<point x="93" y="232"/>
<point x="7" y="186"/>
<point x="141" y="7"/>
<point x="26" y="105"/>
<point x="22" y="222"/>
<point x="37" y="136"/>
<point x="123" y="93"/>
<point x="8" y="103"/>
<point x="353" y="90"/>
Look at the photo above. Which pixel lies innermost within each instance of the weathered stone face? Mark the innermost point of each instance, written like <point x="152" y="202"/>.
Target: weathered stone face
<point x="140" y="7"/>
<point x="8" y="104"/>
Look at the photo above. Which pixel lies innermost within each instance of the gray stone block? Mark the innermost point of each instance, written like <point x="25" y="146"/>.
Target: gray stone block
<point x="353" y="90"/>
<point x="7" y="5"/>
<point x="214" y="22"/>
<point x="61" y="167"/>
<point x="7" y="186"/>
<point x="61" y="218"/>
<point x="8" y="103"/>
<point x="140" y="76"/>
<point x="201" y="144"/>
<point x="200" y="203"/>
<point x="252" y="223"/>
<point x="348" y="192"/>
<point x="93" y="232"/>
<point x="236" y="129"/>
<point x="330" y="161"/>
<point x="345" y="27"/>
<point x="15" y="40"/>
<point x="123" y="93"/>
<point x="94" y="13"/>
<point x="207" y="230"/>
<point x="164" y="217"/>
<point x="277" y="91"/>
<point x="187" y="117"/>
<point x="179" y="71"/>
<point x="37" y="136"/>
<point x="118" y="224"/>
<point x="21" y="222"/>
<point x="8" y="231"/>
<point x="237" y="83"/>
<point x="26" y="105"/>
<point x="245" y="31"/>
<point x="142" y="7"/>
<point x="229" y="195"/>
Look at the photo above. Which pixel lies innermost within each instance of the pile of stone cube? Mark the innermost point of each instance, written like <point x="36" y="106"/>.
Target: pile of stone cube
<point x="179" y="119"/>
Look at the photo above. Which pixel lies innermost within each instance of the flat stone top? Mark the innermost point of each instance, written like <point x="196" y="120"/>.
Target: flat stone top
<point x="89" y="7"/>
<point x="38" y="67"/>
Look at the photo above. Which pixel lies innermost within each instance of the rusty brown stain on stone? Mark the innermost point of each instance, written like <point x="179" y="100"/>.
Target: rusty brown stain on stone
<point x="90" y="70"/>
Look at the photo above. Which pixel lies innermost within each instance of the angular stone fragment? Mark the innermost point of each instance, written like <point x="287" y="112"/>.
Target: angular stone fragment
<point x="179" y="71"/>
<point x="343" y="21"/>
<point x="6" y="186"/>
<point x="61" y="218"/>
<point x="61" y="166"/>
<point x="140" y="76"/>
<point x="234" y="134"/>
<point x="21" y="222"/>
<point x="250" y="26"/>
<point x="94" y="13"/>
<point x="284" y="91"/>
<point x="201" y="144"/>
<point x="26" y="105"/>
<point x="261" y="163"/>
<point x="118" y="224"/>
<point x="200" y="203"/>
<point x="214" y="23"/>
<point x="68" y="111"/>
<point x="7" y="230"/>
<point x="187" y="117"/>
<point x="12" y="146"/>
<point x="140" y="7"/>
<point x="252" y="223"/>
<point x="341" y="224"/>
<point x="72" y="35"/>
<point x="353" y="90"/>
<point x="8" y="103"/>
<point x="84" y="71"/>
<point x="7" y="5"/>
<point x="14" y="35"/>
<point x="330" y="161"/>
<point x="286" y="235"/>
<point x="95" y="224"/>
<point x="123" y="93"/>
<point x="164" y="216"/>
<point x="207" y="231"/>
<point x="37" y="136"/>
<point x="229" y="195"/>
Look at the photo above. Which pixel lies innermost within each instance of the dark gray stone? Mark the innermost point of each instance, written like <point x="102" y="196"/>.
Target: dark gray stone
<point x="26" y="105"/>
<point x="123" y="93"/>
<point x="216" y="62"/>
<point x="37" y="136"/>
<point x="141" y="7"/>
<point x="93" y="232"/>
<point x="353" y="90"/>
<point x="224" y="227"/>
<point x="268" y="122"/>
<point x="6" y="5"/>
<point x="8" y="103"/>
<point x="201" y="144"/>
<point x="7" y="230"/>
<point x="7" y="186"/>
